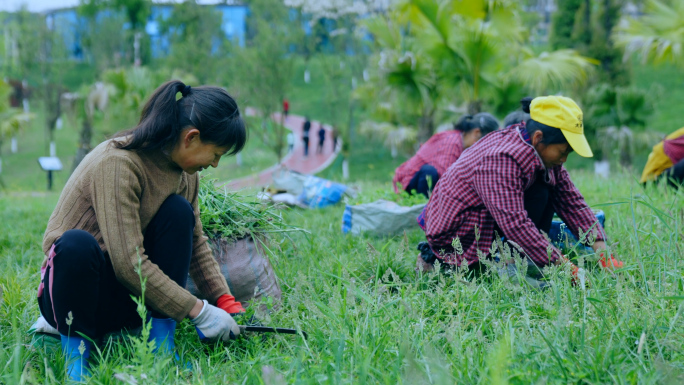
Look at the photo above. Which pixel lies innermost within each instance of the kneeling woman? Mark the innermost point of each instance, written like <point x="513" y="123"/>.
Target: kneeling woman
<point x="511" y="183"/>
<point x="421" y="173"/>
<point x="131" y="201"/>
<point x="666" y="160"/>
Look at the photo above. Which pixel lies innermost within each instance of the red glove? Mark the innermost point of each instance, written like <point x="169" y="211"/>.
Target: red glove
<point x="228" y="303"/>
<point x="574" y="270"/>
<point x="610" y="263"/>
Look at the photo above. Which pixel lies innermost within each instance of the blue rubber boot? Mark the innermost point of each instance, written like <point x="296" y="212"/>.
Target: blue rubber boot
<point x="76" y="353"/>
<point x="161" y="333"/>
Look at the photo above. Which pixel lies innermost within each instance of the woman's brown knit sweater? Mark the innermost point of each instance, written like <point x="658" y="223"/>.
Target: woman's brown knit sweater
<point x="113" y="195"/>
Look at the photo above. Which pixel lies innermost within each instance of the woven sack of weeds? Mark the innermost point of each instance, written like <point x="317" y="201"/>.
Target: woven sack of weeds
<point x="239" y="230"/>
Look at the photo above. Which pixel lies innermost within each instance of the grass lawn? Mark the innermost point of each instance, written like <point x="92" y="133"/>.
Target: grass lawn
<point x="370" y="319"/>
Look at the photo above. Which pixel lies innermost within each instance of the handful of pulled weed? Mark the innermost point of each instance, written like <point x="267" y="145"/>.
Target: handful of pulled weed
<point x="231" y="216"/>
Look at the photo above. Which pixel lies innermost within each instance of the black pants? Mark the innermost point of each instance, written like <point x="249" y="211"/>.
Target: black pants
<point x="423" y="181"/>
<point x="86" y="286"/>
<point x="539" y="203"/>
<point x="674" y="174"/>
<point x="306" y="145"/>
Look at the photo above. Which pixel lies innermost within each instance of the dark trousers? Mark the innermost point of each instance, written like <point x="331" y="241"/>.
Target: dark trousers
<point x="86" y="286"/>
<point x="306" y="145"/>
<point x="423" y="181"/>
<point x="539" y="203"/>
<point x="674" y="174"/>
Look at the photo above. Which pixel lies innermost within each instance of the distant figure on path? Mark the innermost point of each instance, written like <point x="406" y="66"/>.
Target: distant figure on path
<point x="321" y="139"/>
<point x="666" y="160"/>
<point x="130" y="212"/>
<point x="290" y="142"/>
<point x="335" y="134"/>
<point x="286" y="108"/>
<point x="305" y="136"/>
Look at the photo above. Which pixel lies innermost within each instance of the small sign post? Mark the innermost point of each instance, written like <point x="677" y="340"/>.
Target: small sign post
<point x="50" y="164"/>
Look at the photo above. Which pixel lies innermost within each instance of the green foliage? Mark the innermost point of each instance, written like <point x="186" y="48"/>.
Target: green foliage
<point x="615" y="118"/>
<point x="264" y="67"/>
<point x="195" y="32"/>
<point x="12" y="120"/>
<point x="586" y="25"/>
<point x="387" y="193"/>
<point x="564" y="23"/>
<point x="438" y="53"/>
<point x="656" y="36"/>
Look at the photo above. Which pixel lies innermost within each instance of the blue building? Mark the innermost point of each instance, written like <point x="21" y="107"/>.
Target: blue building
<point x="69" y="25"/>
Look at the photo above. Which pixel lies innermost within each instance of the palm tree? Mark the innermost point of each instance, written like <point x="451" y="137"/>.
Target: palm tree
<point x="435" y="51"/>
<point x="656" y="36"/>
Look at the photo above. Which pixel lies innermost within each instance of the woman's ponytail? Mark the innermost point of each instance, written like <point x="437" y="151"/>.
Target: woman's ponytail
<point x="464" y="123"/>
<point x="158" y="124"/>
<point x="525" y="104"/>
<point x="211" y="110"/>
<point x="486" y="122"/>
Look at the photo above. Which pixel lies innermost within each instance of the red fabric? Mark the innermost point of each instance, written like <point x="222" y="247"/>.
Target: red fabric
<point x="674" y="149"/>
<point x="286" y="105"/>
<point x="228" y="303"/>
<point x="485" y="187"/>
<point x="440" y="151"/>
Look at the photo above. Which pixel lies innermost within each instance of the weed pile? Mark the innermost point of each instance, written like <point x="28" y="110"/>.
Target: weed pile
<point x="232" y="216"/>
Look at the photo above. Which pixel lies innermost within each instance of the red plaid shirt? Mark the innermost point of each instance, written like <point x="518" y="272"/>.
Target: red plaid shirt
<point x="485" y="188"/>
<point x="440" y="151"/>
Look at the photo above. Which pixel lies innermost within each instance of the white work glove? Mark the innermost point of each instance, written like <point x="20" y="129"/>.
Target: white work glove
<point x="214" y="324"/>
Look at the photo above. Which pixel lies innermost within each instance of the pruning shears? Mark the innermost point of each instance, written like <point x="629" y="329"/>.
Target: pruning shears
<point x="268" y="329"/>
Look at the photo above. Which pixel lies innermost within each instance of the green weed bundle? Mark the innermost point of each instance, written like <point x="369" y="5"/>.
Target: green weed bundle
<point x="233" y="216"/>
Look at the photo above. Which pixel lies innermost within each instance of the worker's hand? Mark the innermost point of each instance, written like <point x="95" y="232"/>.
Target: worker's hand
<point x="228" y="303"/>
<point x="215" y="324"/>
<point x="610" y="262"/>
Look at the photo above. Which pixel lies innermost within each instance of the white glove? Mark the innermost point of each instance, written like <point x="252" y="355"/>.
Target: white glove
<point x="214" y="324"/>
<point x="42" y="326"/>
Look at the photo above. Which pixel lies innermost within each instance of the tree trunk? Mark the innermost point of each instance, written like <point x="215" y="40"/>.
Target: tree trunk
<point x="84" y="142"/>
<point x="427" y="126"/>
<point x="474" y="107"/>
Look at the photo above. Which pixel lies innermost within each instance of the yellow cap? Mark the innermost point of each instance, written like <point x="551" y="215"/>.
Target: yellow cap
<point x="562" y="113"/>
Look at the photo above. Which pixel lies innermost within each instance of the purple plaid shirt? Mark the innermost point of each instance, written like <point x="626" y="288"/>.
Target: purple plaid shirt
<point x="485" y="188"/>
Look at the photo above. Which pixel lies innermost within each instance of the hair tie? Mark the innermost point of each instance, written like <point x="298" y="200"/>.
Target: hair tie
<point x="186" y="91"/>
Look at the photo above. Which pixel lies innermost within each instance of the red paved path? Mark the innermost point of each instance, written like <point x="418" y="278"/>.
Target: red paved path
<point x="295" y="161"/>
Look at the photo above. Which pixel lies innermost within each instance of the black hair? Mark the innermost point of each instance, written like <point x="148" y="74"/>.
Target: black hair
<point x="517" y="117"/>
<point x="209" y="109"/>
<point x="484" y="121"/>
<point x="550" y="135"/>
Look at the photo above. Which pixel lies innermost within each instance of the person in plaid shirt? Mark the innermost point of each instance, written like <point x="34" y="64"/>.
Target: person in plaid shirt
<point x="510" y="183"/>
<point x="421" y="173"/>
